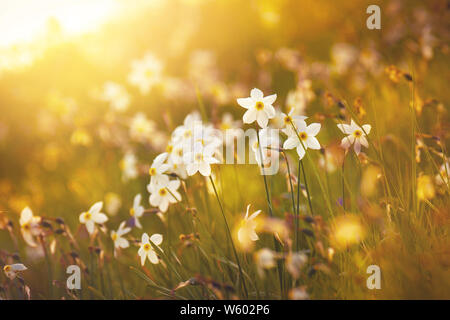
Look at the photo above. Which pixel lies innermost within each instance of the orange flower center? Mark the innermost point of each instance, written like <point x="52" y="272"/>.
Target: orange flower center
<point x="147" y="247"/>
<point x="162" y="192"/>
<point x="152" y="171"/>
<point x="259" y="105"/>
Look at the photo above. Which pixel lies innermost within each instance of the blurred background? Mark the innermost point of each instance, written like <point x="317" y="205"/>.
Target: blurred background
<point x="76" y="126"/>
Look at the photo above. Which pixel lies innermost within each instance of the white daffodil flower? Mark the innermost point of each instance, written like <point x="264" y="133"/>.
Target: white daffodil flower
<point x="158" y="169"/>
<point x="93" y="216"/>
<point x="258" y="107"/>
<point x="116" y="236"/>
<point x="116" y="95"/>
<point x="146" y="73"/>
<point x="141" y="128"/>
<point x="11" y="270"/>
<point x="29" y="226"/>
<point x="303" y="137"/>
<point x="164" y="193"/>
<point x="200" y="159"/>
<point x="137" y="211"/>
<point x="246" y="232"/>
<point x="146" y="250"/>
<point x="355" y="135"/>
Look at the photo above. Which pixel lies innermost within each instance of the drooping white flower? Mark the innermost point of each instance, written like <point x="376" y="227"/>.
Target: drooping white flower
<point x="164" y="193"/>
<point x="355" y="135"/>
<point x="146" y="250"/>
<point x="116" y="95"/>
<point x="246" y="232"/>
<point x="200" y="159"/>
<point x="116" y="236"/>
<point x="93" y="216"/>
<point x="29" y="226"/>
<point x="158" y="169"/>
<point x="146" y="73"/>
<point x="137" y="211"/>
<point x="258" y="107"/>
<point x="11" y="270"/>
<point x="302" y="136"/>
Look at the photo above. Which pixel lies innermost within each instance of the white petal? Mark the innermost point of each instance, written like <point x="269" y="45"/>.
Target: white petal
<point x="90" y="226"/>
<point x="25" y="215"/>
<point x="96" y="207"/>
<point x="270" y="99"/>
<point x="363" y="141"/>
<point x="143" y="257"/>
<point x="313" y="129"/>
<point x="256" y="94"/>
<point x="164" y="205"/>
<point x="144" y="238"/>
<point x="100" y="218"/>
<point x="246" y="102"/>
<point x="262" y="119"/>
<point x="157" y="239"/>
<point x="205" y="169"/>
<point x="250" y="115"/>
<point x="346" y="142"/>
<point x="137" y="200"/>
<point x="153" y="257"/>
<point x="291" y="142"/>
<point x="270" y="111"/>
<point x="345" y="128"/>
<point x="367" y="128"/>
<point x="357" y="146"/>
<point x="300" y="152"/>
<point x="312" y="143"/>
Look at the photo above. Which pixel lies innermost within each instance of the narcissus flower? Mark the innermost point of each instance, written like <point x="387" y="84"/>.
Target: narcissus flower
<point x="137" y="210"/>
<point x="29" y="226"/>
<point x="11" y="270"/>
<point x="356" y="135"/>
<point x="146" y="250"/>
<point x="258" y="107"/>
<point x="146" y="73"/>
<point x="93" y="216"/>
<point x="164" y="193"/>
<point x="116" y="236"/>
<point x="116" y="95"/>
<point x="301" y="136"/>
<point x="158" y="168"/>
<point x="200" y="159"/>
<point x="246" y="233"/>
<point x="290" y="117"/>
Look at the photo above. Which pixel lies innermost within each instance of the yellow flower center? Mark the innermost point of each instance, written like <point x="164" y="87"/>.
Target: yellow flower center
<point x="357" y="133"/>
<point x="287" y="119"/>
<point x="132" y="212"/>
<point x="152" y="171"/>
<point x="198" y="157"/>
<point x="7" y="268"/>
<point x="169" y="148"/>
<point x="147" y="247"/>
<point x="303" y="135"/>
<point x="259" y="105"/>
<point x="187" y="133"/>
<point x="114" y="236"/>
<point x="162" y="192"/>
<point x="87" y="215"/>
<point x="26" y="226"/>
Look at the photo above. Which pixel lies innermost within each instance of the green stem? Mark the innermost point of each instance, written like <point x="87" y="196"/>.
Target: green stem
<point x="241" y="275"/>
<point x="306" y="186"/>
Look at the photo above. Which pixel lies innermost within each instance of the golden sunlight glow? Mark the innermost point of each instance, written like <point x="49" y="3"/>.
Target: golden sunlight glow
<point x="23" y="20"/>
